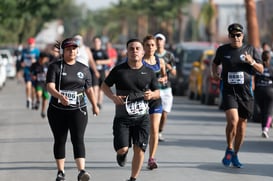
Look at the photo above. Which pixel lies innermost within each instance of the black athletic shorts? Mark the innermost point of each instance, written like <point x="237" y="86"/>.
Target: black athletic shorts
<point x="126" y="130"/>
<point x="98" y="81"/>
<point x="245" y="106"/>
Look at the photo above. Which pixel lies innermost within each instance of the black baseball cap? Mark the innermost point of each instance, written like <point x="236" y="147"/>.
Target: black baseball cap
<point x="70" y="42"/>
<point x="235" y="27"/>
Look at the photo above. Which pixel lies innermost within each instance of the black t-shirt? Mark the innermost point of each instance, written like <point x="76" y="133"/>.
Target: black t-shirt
<point x="236" y="73"/>
<point x="265" y="79"/>
<point x="39" y="71"/>
<point x="169" y="58"/>
<point x="100" y="55"/>
<point x="129" y="81"/>
<point x="74" y="81"/>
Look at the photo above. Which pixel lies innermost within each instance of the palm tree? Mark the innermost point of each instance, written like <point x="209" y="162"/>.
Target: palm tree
<point x="208" y="16"/>
<point x="167" y="14"/>
<point x="252" y="23"/>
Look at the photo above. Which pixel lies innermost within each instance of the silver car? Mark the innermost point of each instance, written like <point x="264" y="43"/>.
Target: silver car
<point x="3" y="73"/>
<point x="10" y="62"/>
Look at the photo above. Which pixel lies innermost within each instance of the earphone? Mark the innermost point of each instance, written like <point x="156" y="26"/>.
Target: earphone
<point x="61" y="49"/>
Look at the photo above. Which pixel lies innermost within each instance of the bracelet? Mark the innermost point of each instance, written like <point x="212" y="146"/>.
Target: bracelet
<point x="253" y="63"/>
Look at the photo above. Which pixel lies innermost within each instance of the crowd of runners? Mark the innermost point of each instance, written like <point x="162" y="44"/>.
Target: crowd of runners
<point x="49" y="88"/>
<point x="71" y="73"/>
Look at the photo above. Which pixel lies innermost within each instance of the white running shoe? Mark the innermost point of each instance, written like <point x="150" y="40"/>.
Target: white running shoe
<point x="160" y="137"/>
<point x="265" y="134"/>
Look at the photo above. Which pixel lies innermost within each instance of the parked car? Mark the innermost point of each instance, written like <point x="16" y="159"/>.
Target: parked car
<point x="10" y="62"/>
<point x="210" y="87"/>
<point x="197" y="72"/>
<point x="186" y="53"/>
<point x="3" y="73"/>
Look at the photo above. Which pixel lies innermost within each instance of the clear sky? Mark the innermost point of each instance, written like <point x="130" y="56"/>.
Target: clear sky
<point x="95" y="4"/>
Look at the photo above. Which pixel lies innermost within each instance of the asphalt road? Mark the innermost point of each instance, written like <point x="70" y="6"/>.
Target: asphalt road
<point x="194" y="146"/>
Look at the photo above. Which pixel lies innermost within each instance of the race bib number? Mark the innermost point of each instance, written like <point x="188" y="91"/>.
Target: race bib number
<point x="136" y="108"/>
<point x="236" y="78"/>
<point x="71" y="95"/>
<point x="41" y="77"/>
<point x="99" y="67"/>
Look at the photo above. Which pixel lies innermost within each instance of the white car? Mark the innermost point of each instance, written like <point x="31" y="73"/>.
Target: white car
<point x="10" y="62"/>
<point x="3" y="73"/>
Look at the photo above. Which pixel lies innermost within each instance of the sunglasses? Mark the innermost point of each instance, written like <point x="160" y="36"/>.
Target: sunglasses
<point x="236" y="35"/>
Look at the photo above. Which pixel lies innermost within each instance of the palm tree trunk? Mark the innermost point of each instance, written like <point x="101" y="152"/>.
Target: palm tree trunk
<point x="180" y="25"/>
<point x="142" y="26"/>
<point x="252" y="23"/>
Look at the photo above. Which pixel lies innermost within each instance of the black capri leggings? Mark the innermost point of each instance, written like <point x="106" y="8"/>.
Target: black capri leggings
<point x="264" y="99"/>
<point x="62" y="121"/>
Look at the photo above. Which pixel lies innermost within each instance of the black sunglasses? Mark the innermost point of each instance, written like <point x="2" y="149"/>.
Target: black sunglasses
<point x="236" y="35"/>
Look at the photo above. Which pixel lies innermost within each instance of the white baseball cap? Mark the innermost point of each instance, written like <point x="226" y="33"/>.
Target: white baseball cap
<point x="161" y="36"/>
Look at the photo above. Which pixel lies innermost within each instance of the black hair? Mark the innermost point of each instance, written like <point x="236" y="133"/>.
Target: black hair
<point x="148" y="37"/>
<point x="133" y="40"/>
<point x="96" y="37"/>
<point x="266" y="55"/>
<point x="43" y="55"/>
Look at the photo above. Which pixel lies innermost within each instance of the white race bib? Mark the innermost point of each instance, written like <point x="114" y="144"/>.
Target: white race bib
<point x="99" y="67"/>
<point x="236" y="78"/>
<point x="139" y="107"/>
<point x="71" y="95"/>
<point x="41" y="77"/>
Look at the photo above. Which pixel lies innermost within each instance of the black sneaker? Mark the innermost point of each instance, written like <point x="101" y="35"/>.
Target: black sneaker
<point x="36" y="106"/>
<point x="43" y="115"/>
<point x="121" y="159"/>
<point x="131" y="179"/>
<point x="28" y="104"/>
<point x="60" y="176"/>
<point x="84" y="176"/>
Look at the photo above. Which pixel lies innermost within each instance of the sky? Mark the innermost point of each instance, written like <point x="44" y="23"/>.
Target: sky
<point x="96" y="4"/>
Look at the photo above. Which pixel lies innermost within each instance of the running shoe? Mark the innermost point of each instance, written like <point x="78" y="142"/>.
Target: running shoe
<point x="60" y="176"/>
<point x="43" y="115"/>
<point x="121" y="159"/>
<point x="152" y="164"/>
<point x="265" y="134"/>
<point x="160" y="137"/>
<point x="37" y="105"/>
<point x="33" y="105"/>
<point x="84" y="176"/>
<point x="131" y="179"/>
<point x="227" y="158"/>
<point x="28" y="105"/>
<point x="235" y="161"/>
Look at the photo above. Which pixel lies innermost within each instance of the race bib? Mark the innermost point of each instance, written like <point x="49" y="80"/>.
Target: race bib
<point x="41" y="77"/>
<point x="71" y="95"/>
<point x="99" y="67"/>
<point x="236" y="78"/>
<point x="136" y="108"/>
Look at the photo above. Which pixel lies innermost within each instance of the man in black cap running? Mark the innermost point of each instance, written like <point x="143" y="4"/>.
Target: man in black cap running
<point x="239" y="63"/>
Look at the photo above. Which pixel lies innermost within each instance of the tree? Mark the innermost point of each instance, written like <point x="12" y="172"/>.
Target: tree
<point x="21" y="19"/>
<point x="208" y="16"/>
